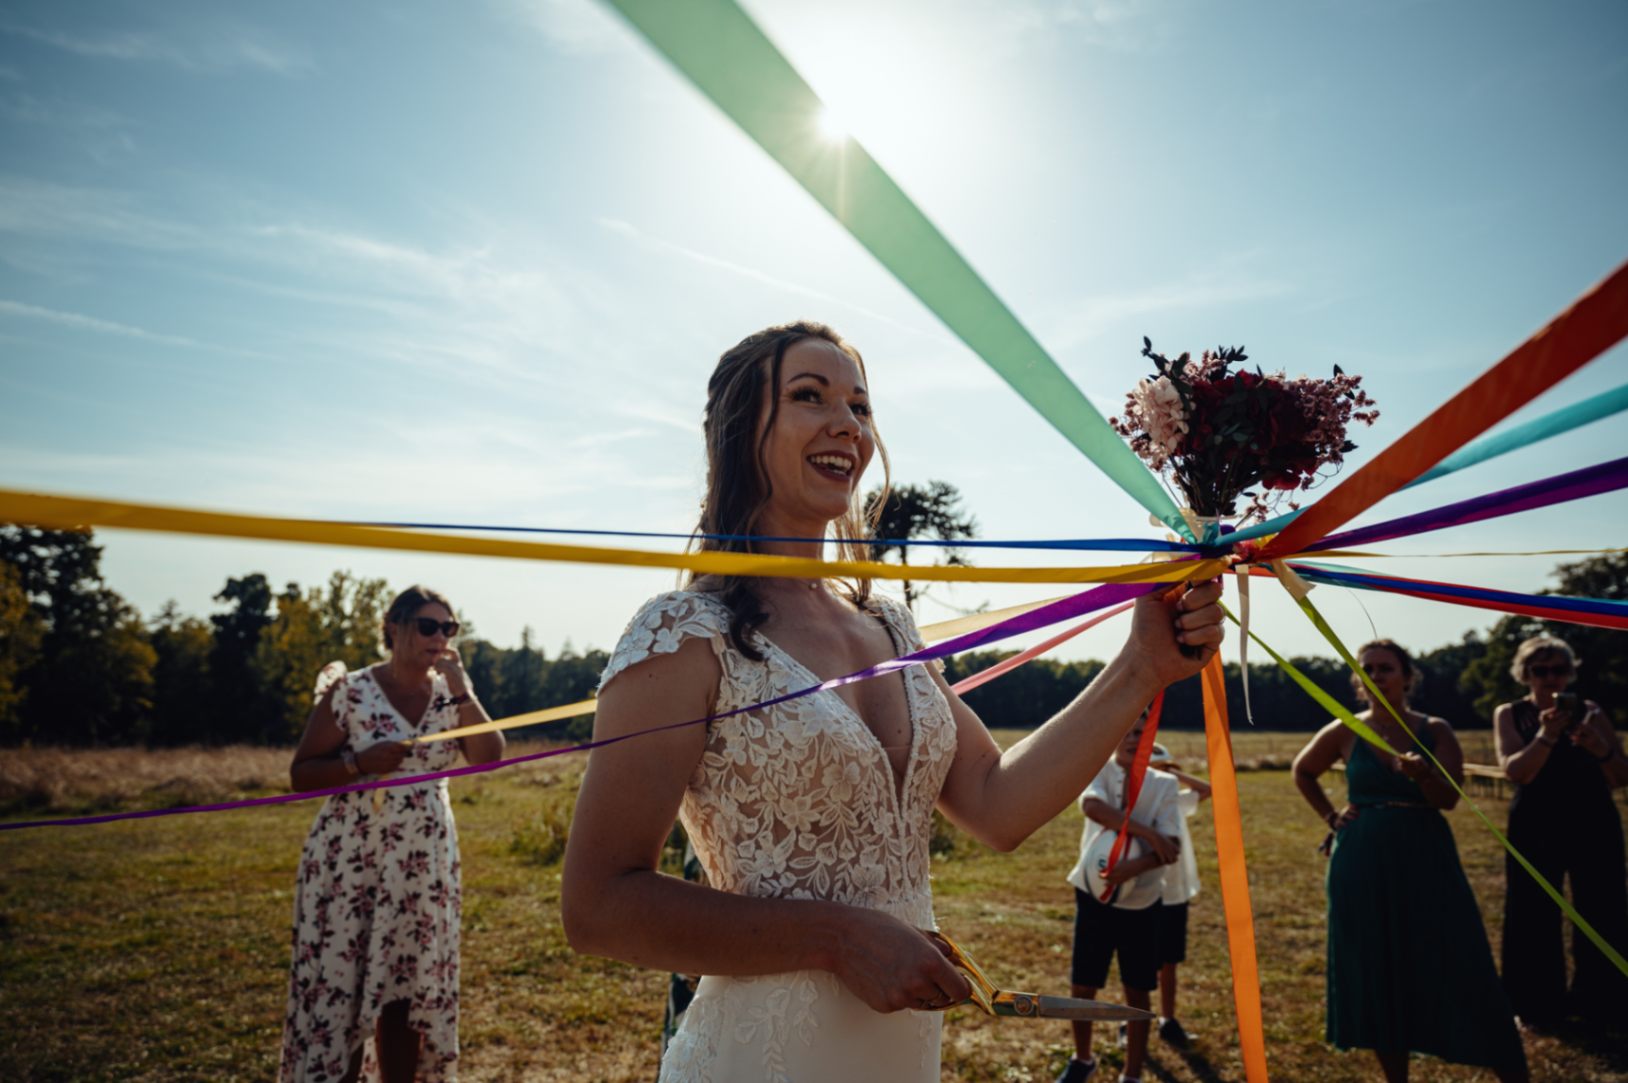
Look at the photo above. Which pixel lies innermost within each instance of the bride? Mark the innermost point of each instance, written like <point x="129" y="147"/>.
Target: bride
<point x="811" y="817"/>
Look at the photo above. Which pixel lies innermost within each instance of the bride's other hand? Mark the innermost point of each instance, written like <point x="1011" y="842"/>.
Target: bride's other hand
<point x="894" y="967"/>
<point x="1163" y="625"/>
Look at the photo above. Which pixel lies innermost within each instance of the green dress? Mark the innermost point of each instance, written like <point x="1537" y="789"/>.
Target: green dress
<point x="1409" y="966"/>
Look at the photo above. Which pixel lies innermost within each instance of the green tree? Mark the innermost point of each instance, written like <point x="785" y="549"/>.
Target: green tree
<point x="569" y="678"/>
<point x="312" y="628"/>
<point x="21" y="632"/>
<point x="520" y="679"/>
<point x="91" y="681"/>
<point x="921" y="511"/>
<point x="181" y="687"/>
<point x="242" y="711"/>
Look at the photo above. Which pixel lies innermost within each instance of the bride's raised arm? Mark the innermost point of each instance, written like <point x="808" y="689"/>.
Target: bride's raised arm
<point x="1001" y="798"/>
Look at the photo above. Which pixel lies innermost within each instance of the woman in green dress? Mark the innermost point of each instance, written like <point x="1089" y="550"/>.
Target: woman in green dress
<point x="1409" y="966"/>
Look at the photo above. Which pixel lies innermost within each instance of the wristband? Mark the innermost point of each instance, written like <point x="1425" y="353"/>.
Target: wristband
<point x="1545" y="739"/>
<point x="348" y="758"/>
<point x="1610" y="754"/>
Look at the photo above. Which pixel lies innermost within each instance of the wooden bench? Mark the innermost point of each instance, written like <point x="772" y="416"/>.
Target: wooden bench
<point x="1485" y="779"/>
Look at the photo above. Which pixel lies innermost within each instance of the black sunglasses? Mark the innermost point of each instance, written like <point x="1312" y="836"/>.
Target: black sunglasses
<point x="1559" y="669"/>
<point x="428" y="626"/>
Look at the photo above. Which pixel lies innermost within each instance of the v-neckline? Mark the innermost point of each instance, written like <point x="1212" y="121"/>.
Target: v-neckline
<point x="412" y="727"/>
<point x="898" y="783"/>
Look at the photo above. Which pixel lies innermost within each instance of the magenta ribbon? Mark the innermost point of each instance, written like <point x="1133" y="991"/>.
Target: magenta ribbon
<point x="1075" y="605"/>
<point x="1589" y="481"/>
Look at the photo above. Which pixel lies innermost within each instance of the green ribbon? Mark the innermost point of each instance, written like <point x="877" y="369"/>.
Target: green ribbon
<point x="718" y="48"/>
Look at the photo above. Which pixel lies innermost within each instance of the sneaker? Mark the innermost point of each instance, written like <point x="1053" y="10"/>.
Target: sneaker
<point x="1124" y="1035"/>
<point x="1172" y="1033"/>
<point x="1078" y="1071"/>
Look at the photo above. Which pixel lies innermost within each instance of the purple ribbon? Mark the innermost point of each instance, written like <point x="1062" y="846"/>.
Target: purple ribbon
<point x="1076" y="605"/>
<point x="1602" y="478"/>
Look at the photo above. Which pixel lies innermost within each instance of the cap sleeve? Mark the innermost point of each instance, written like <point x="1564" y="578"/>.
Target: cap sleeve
<point x="663" y="624"/>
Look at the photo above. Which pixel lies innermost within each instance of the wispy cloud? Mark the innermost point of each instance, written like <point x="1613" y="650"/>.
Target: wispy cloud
<point x="60" y="211"/>
<point x="81" y="322"/>
<point x="573" y="26"/>
<point x="1093" y="315"/>
<point x="659" y="244"/>
<point x="193" y="48"/>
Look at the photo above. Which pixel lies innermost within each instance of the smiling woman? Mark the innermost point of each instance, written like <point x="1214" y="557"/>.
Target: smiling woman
<point x="811" y="816"/>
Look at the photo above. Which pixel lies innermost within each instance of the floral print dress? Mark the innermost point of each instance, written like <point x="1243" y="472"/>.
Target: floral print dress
<point x="800" y="801"/>
<point x="377" y="902"/>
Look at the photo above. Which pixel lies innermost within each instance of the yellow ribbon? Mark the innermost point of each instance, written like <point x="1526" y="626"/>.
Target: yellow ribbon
<point x="67" y="513"/>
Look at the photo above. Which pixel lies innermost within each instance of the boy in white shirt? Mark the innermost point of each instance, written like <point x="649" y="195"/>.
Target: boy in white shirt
<point x="1128" y="924"/>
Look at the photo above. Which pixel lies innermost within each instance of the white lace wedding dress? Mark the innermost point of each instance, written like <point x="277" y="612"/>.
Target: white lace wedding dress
<point x="799" y="801"/>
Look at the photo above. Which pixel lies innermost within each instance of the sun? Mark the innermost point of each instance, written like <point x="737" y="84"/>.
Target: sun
<point x="832" y="125"/>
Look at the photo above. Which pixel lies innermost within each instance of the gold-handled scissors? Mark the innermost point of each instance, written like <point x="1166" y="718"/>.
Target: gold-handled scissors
<point x="997" y="1001"/>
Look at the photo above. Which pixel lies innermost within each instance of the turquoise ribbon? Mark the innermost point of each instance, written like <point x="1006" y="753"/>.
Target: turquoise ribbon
<point x="718" y="48"/>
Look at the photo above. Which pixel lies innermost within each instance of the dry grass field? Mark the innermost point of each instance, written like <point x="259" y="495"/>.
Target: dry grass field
<point x="157" y="950"/>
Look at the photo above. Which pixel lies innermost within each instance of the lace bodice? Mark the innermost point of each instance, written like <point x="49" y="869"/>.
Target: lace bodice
<point x="798" y="800"/>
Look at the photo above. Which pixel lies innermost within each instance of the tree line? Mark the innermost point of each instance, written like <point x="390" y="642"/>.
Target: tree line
<point x="80" y="666"/>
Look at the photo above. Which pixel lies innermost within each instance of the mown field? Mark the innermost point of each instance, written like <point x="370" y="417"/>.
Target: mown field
<point x="157" y="950"/>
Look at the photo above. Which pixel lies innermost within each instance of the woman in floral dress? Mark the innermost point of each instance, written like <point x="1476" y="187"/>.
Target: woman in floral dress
<point x="811" y="817"/>
<point x="374" y="989"/>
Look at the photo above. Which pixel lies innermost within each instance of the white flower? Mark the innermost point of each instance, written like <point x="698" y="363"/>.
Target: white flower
<point x="1159" y="404"/>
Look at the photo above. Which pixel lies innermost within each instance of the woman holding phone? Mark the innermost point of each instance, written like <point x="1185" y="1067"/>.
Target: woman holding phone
<point x="1563" y="756"/>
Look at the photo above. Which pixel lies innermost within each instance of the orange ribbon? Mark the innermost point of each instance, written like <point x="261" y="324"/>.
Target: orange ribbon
<point x="1229" y="848"/>
<point x="1133" y="786"/>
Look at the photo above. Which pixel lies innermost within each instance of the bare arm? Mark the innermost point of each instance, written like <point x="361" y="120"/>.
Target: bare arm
<point x="1436" y="789"/>
<point x="1197" y="785"/>
<point x="1322" y="752"/>
<point x="319" y="762"/>
<point x="1002" y="798"/>
<point x="1520" y="759"/>
<point x="615" y="903"/>
<point x="479" y="747"/>
<point x="1166" y="846"/>
<point x="1598" y="738"/>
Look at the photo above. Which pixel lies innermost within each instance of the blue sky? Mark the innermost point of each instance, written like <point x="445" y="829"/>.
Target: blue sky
<point x="474" y="262"/>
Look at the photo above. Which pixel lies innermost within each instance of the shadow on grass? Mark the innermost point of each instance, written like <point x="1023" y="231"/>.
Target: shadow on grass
<point x="1197" y="1063"/>
<point x="1606" y="1040"/>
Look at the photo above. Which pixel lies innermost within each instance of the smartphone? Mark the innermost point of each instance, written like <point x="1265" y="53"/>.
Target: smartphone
<point x="1569" y="703"/>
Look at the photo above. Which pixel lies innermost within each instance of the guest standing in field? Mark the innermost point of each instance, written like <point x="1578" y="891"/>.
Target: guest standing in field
<point x="374" y="989"/>
<point x="1564" y="758"/>
<point x="1126" y="922"/>
<point x="1409" y="966"/>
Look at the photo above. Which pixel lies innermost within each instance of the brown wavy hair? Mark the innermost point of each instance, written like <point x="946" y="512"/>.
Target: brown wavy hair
<point x="738" y="486"/>
<point x="404" y="605"/>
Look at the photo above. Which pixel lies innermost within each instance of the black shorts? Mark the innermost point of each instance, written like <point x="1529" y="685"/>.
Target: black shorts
<point x="1101" y="931"/>
<point x="1172" y="933"/>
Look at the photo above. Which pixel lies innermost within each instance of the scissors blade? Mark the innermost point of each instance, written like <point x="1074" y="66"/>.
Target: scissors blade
<point x="1032" y="1006"/>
